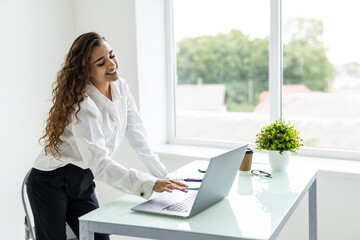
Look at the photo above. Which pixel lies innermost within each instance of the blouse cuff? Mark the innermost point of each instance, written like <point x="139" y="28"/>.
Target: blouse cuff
<point x="147" y="185"/>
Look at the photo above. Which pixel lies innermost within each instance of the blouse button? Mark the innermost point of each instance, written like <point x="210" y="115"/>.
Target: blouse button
<point x="142" y="194"/>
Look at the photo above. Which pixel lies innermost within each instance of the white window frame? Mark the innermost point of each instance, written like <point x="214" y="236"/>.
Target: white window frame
<point x="275" y="88"/>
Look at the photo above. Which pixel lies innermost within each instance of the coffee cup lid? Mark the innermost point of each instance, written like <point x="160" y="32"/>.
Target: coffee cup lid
<point x="249" y="150"/>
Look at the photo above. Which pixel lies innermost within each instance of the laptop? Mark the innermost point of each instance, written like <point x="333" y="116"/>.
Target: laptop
<point x="215" y="186"/>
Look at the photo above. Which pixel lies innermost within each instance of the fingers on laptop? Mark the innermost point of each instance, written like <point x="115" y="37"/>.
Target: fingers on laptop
<point x="179" y="185"/>
<point x="162" y="185"/>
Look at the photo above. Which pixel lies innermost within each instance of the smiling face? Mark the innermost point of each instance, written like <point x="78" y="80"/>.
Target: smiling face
<point x="103" y="66"/>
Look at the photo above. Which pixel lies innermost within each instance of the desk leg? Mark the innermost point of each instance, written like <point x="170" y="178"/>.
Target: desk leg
<point x="84" y="232"/>
<point x="312" y="212"/>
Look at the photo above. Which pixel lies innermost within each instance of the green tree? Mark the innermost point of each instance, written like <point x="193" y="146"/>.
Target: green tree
<point x="239" y="62"/>
<point x="231" y="59"/>
<point x="305" y="60"/>
<point x="259" y="71"/>
<point x="306" y="63"/>
<point x="213" y="58"/>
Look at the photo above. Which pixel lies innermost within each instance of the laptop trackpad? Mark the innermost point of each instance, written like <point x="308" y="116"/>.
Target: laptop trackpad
<point x="163" y="200"/>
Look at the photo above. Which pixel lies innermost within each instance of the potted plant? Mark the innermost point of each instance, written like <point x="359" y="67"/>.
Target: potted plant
<point x="280" y="139"/>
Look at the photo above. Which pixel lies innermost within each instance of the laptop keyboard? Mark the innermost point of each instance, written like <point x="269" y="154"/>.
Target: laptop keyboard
<point x="183" y="206"/>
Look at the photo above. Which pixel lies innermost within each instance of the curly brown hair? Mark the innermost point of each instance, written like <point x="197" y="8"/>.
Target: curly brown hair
<point x="69" y="90"/>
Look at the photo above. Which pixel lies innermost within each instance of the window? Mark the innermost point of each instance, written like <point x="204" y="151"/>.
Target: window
<point x="221" y="71"/>
<point x="222" y="58"/>
<point x="321" y="72"/>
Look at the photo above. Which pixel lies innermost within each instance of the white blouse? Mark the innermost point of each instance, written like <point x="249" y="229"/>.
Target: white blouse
<point x="92" y="142"/>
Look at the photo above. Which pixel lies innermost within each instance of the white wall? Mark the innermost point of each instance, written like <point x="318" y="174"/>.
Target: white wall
<point x="35" y="36"/>
<point x="151" y="56"/>
<point x="114" y="19"/>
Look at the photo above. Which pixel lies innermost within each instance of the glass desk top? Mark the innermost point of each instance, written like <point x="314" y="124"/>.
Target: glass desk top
<point x="256" y="207"/>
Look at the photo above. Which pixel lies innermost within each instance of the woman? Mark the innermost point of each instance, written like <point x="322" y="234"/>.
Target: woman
<point x="92" y="111"/>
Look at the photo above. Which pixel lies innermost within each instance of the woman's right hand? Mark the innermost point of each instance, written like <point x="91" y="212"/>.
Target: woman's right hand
<point x="162" y="185"/>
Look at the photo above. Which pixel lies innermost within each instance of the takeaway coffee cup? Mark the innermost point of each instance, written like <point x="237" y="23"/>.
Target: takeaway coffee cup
<point x="246" y="163"/>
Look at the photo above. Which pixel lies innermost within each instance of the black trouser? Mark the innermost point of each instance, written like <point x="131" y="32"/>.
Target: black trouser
<point x="60" y="196"/>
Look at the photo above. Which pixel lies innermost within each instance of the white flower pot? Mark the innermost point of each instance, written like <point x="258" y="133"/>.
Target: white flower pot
<point x="279" y="162"/>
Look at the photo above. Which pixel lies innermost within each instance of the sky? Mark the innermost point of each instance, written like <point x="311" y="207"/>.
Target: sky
<point x="209" y="17"/>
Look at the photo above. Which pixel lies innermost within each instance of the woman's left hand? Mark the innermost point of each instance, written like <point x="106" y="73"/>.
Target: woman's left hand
<point x="162" y="185"/>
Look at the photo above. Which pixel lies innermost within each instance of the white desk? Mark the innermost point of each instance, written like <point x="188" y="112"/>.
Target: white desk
<point x="255" y="209"/>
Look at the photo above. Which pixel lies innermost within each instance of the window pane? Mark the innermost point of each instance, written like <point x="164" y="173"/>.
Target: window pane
<point x="321" y="92"/>
<point x="222" y="52"/>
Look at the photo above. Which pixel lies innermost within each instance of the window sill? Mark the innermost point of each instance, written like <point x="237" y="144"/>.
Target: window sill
<point x="327" y="166"/>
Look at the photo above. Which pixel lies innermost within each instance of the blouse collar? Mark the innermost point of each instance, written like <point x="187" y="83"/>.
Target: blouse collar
<point x="99" y="98"/>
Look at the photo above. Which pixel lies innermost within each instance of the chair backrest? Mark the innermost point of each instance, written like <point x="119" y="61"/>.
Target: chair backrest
<point x="29" y="218"/>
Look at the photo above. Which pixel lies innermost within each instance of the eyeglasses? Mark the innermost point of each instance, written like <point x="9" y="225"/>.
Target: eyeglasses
<point x="261" y="174"/>
<point x="201" y="171"/>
